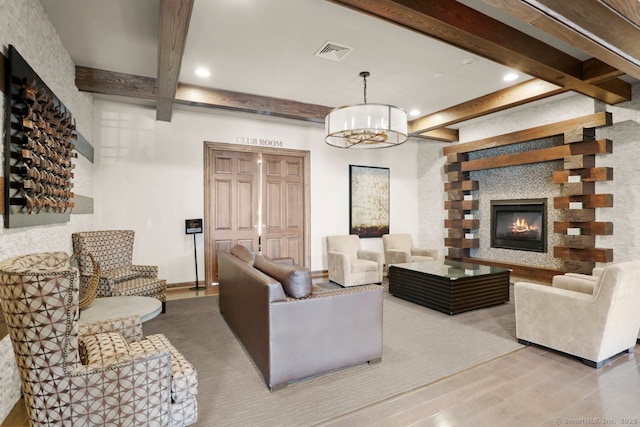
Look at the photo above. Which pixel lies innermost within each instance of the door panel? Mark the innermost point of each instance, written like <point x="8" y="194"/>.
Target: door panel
<point x="283" y="234"/>
<point x="233" y="193"/>
<point x="231" y="204"/>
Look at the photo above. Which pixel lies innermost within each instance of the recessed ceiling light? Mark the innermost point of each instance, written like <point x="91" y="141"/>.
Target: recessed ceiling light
<point x="202" y="72"/>
<point x="509" y="77"/>
<point x="414" y="112"/>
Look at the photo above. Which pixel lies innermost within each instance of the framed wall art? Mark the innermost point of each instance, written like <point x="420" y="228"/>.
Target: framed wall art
<point x="368" y="201"/>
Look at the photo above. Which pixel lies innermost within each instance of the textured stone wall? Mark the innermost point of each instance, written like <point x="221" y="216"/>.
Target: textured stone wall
<point x="25" y="25"/>
<point x="516" y="182"/>
<point x="431" y="179"/>
<point x="625" y="187"/>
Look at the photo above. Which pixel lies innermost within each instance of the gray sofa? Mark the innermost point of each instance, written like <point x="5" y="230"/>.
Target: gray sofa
<point x="292" y="329"/>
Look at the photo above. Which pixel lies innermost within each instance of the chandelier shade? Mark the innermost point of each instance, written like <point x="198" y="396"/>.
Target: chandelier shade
<point x="365" y="126"/>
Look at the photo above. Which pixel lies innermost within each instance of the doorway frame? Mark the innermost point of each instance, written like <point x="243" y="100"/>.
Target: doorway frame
<point x="306" y="158"/>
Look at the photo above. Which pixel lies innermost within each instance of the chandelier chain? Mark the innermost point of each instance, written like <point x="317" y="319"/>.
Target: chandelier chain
<point x="365" y="88"/>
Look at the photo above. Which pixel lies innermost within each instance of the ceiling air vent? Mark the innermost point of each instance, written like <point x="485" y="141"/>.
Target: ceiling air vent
<point x="333" y="51"/>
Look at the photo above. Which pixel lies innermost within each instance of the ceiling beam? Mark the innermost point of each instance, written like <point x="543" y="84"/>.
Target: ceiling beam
<point x="522" y="93"/>
<point x="216" y="98"/>
<point x="601" y="30"/>
<point x="175" y="16"/>
<point x="113" y="83"/>
<point x="441" y="134"/>
<point x="470" y="30"/>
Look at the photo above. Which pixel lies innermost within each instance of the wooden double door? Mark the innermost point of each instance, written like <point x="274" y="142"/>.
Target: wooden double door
<point x="257" y="197"/>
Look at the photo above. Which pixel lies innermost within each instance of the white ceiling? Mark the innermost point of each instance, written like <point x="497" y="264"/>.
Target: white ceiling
<point x="267" y="47"/>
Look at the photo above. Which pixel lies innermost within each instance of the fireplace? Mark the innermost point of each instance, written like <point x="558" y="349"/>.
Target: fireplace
<point x="519" y="224"/>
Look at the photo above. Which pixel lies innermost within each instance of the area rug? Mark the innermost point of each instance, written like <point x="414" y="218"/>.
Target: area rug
<point x="420" y="347"/>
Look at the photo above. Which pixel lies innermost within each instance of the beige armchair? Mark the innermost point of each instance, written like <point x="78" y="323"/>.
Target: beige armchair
<point x="349" y="265"/>
<point x="113" y="250"/>
<point x="399" y="249"/>
<point x="101" y="373"/>
<point x="593" y="326"/>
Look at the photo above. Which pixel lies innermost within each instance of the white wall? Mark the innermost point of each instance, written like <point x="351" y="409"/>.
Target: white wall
<point x="149" y="177"/>
<point x="25" y="25"/>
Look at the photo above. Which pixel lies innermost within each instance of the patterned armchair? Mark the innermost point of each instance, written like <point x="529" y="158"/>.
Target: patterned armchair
<point x="113" y="250"/>
<point x="99" y="374"/>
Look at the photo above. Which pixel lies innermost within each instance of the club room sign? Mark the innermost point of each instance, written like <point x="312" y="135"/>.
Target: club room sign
<point x="258" y="141"/>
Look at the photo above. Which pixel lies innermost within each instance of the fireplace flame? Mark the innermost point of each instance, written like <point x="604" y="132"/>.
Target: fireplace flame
<point x="521" y="226"/>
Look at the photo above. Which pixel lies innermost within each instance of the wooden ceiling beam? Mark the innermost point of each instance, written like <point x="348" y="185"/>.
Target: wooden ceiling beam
<point x="470" y="30"/>
<point x="216" y="98"/>
<point x="175" y="16"/>
<point x="601" y="30"/>
<point x="113" y="83"/>
<point x="441" y="134"/>
<point x="503" y="99"/>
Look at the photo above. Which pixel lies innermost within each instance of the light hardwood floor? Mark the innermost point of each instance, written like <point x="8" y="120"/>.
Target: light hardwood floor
<point x="529" y="387"/>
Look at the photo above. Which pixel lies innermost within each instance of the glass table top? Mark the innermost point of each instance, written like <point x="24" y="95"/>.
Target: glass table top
<point x="451" y="269"/>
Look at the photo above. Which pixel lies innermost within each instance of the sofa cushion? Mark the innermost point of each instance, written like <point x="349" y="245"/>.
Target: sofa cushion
<point x="244" y="253"/>
<point x="295" y="280"/>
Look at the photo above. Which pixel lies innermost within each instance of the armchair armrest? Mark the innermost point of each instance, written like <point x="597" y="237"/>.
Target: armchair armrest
<point x="433" y="253"/>
<point x="338" y="263"/>
<point x="150" y="271"/>
<point x="546" y="314"/>
<point x="582" y="276"/>
<point x="574" y="283"/>
<point x="130" y="327"/>
<point x="371" y="256"/>
<point x="397" y="256"/>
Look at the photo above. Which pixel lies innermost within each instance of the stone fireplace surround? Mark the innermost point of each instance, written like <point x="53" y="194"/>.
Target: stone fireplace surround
<point x="501" y="163"/>
<point x="531" y="181"/>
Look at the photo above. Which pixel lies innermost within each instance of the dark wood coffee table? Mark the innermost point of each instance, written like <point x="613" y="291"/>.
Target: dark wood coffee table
<point x="449" y="286"/>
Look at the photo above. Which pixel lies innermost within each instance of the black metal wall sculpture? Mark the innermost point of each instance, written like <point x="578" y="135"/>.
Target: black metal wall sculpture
<point x="39" y="148"/>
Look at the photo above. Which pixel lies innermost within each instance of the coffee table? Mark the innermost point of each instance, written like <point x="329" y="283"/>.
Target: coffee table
<point x="113" y="307"/>
<point x="449" y="286"/>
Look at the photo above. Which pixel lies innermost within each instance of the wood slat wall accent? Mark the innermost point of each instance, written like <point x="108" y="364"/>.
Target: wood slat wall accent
<point x="593" y="120"/>
<point x="591" y="228"/>
<point x="589" y="201"/>
<point x="585" y="174"/>
<point x="578" y="152"/>
<point x="539" y="156"/>
<point x="584" y="254"/>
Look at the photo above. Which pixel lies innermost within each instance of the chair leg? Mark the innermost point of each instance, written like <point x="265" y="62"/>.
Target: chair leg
<point x="164" y="306"/>
<point x="592" y="364"/>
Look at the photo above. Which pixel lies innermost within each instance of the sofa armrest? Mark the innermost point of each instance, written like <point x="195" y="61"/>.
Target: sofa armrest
<point x="150" y="271"/>
<point x="325" y="332"/>
<point x="573" y="283"/>
<point x="397" y="256"/>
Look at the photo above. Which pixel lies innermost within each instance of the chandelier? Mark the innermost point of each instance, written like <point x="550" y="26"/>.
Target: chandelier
<point x="366" y="125"/>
